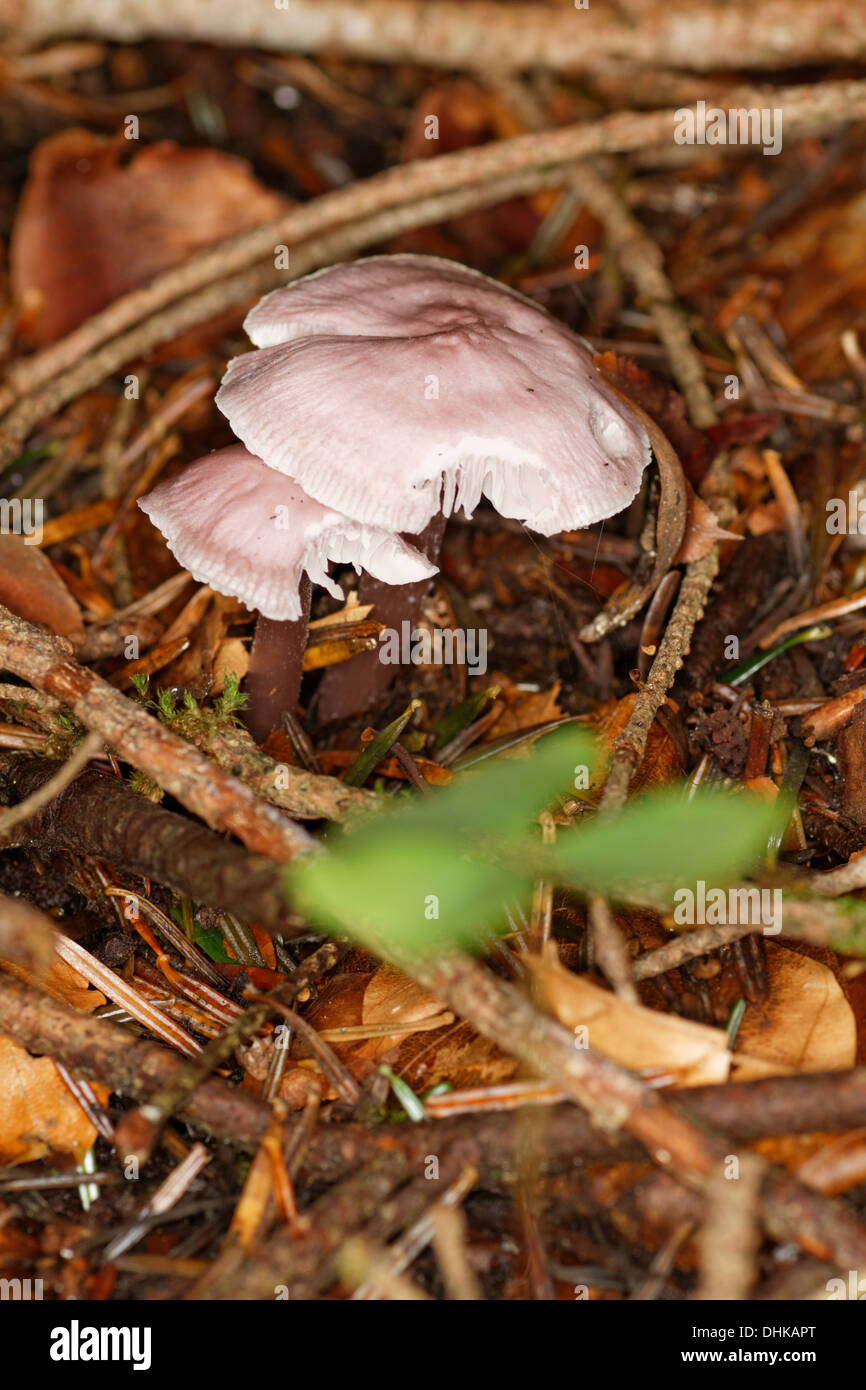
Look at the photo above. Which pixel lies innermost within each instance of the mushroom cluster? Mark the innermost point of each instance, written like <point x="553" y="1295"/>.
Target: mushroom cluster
<point x="383" y="395"/>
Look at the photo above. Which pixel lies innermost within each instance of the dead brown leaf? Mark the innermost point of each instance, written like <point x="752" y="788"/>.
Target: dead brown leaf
<point x="99" y="217"/>
<point x="691" y="1054"/>
<point x="702" y="530"/>
<point x="31" y="588"/>
<point x="805" y="1024"/>
<point x="62" y="981"/>
<point x="38" y="1113"/>
<point x="664" y="756"/>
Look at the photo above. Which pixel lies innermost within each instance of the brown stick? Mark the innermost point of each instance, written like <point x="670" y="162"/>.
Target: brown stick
<point x="104" y="1051"/>
<point x="506" y="38"/>
<point x="694" y="591"/>
<point x="642" y="261"/>
<point x="94" y="1048"/>
<point x="207" y="791"/>
<point x="59" y="779"/>
<point x="369" y="211"/>
<point x="615" y="1098"/>
<point x="99" y="815"/>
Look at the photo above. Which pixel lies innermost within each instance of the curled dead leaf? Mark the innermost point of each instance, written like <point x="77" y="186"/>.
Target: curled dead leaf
<point x="691" y="1054"/>
<point x="31" y="588"/>
<point x="702" y="530"/>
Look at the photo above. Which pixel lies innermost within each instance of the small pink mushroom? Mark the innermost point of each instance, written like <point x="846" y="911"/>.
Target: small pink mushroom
<point x="254" y="534"/>
<point x="400" y="388"/>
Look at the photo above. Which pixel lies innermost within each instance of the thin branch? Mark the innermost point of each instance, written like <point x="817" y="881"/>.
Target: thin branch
<point x="14" y="815"/>
<point x="206" y="790"/>
<point x="99" y="815"/>
<point x="531" y="161"/>
<point x="506" y="38"/>
<point x="694" y="591"/>
<point x="642" y="262"/>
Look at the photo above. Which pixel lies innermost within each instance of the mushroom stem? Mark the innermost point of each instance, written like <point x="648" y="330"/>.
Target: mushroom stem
<point x="353" y="686"/>
<point x="273" y="681"/>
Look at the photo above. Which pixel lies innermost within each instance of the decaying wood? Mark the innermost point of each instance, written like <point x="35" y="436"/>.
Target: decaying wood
<point x="100" y="815"/>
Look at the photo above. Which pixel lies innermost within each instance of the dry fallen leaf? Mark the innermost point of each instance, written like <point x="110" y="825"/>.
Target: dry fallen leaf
<point x="521" y="709"/>
<point x="635" y="1037"/>
<point x="805" y="1023"/>
<point x="94" y="222"/>
<point x="351" y="612"/>
<point x="451" y="1051"/>
<point x="232" y="659"/>
<point x="31" y="588"/>
<point x="62" y="981"/>
<point x="664" y="757"/>
<point x="38" y="1113"/>
<point x="702" y="531"/>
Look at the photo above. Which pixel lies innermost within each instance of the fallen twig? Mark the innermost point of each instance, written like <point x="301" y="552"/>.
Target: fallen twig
<point x="56" y="783"/>
<point x="100" y="815"/>
<point x="206" y="790"/>
<point x="486" y="35"/>
<point x="412" y="195"/>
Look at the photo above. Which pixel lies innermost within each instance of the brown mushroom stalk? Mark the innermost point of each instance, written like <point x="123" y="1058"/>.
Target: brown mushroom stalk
<point x="352" y="687"/>
<point x="273" y="681"/>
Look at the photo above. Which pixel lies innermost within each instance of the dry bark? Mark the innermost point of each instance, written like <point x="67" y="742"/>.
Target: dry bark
<point x="207" y="791"/>
<point x="100" y="815"/>
<point x="517" y="37"/>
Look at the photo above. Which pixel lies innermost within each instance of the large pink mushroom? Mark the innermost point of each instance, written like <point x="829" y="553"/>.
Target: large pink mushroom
<point x="398" y="389"/>
<point x="254" y="534"/>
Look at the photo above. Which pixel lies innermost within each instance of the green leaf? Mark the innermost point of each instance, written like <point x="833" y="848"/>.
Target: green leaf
<point x="664" y="841"/>
<point x="434" y="873"/>
<point x="462" y="715"/>
<point x="415" y="892"/>
<point x="378" y="748"/>
<point x="211" y="942"/>
<point x="509" y="793"/>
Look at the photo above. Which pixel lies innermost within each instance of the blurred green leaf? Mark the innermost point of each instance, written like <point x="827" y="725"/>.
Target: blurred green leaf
<point x="509" y="793"/>
<point x="433" y="873"/>
<point x="664" y="842"/>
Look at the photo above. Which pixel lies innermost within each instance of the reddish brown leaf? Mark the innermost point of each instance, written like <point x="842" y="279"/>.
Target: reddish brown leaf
<point x="31" y="587"/>
<point x="93" y="223"/>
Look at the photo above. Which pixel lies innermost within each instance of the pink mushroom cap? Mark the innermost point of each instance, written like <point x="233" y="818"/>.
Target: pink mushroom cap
<point x="396" y="387"/>
<point x="250" y="532"/>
